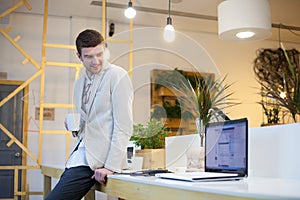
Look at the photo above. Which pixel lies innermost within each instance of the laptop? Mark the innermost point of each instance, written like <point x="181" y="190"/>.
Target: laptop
<point x="226" y="153"/>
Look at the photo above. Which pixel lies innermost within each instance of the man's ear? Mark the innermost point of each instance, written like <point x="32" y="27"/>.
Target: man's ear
<point x="78" y="55"/>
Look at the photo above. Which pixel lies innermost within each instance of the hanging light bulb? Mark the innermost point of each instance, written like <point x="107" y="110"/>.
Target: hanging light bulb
<point x="130" y="11"/>
<point x="169" y="31"/>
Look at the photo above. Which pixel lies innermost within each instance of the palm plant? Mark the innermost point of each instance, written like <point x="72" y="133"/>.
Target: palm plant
<point x="208" y="94"/>
<point x="292" y="102"/>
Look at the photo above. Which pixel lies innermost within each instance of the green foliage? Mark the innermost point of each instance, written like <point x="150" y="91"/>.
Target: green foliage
<point x="170" y="111"/>
<point x="278" y="72"/>
<point x="272" y="114"/>
<point x="293" y="96"/>
<point x="207" y="94"/>
<point x="168" y="79"/>
<point x="150" y="136"/>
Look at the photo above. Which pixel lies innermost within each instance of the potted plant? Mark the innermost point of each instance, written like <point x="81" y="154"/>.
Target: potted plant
<point x="177" y="116"/>
<point x="151" y="138"/>
<point x="205" y="100"/>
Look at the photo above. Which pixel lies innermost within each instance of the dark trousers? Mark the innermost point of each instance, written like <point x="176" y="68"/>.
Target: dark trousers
<point x="73" y="184"/>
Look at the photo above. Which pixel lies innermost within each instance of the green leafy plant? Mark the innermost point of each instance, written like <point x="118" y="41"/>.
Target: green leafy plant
<point x="167" y="79"/>
<point x="272" y="113"/>
<point x="170" y="111"/>
<point x="207" y="95"/>
<point x="150" y="136"/>
<point x="278" y="72"/>
<point x="292" y="102"/>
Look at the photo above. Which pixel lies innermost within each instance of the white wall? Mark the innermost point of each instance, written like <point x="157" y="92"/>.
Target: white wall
<point x="191" y="51"/>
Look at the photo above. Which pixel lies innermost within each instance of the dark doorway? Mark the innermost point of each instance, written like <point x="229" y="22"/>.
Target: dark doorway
<point x="12" y="118"/>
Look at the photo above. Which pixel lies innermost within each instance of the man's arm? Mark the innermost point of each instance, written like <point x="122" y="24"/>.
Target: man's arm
<point x="121" y="100"/>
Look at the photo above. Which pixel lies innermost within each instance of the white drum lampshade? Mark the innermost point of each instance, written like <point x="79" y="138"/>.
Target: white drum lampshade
<point x="244" y="20"/>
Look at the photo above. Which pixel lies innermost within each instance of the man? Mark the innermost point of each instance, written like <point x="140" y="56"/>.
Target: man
<point x="103" y="97"/>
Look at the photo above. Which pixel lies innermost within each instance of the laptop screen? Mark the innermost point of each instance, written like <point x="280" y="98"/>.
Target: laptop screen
<point x="226" y="147"/>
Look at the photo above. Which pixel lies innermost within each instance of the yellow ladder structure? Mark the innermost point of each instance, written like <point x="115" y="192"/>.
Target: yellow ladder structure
<point x="25" y="193"/>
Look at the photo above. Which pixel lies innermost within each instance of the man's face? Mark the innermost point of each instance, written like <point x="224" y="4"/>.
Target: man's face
<point x="92" y="59"/>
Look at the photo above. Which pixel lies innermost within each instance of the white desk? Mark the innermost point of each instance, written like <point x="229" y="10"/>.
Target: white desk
<point x="152" y="188"/>
<point x="273" y="151"/>
<point x="130" y="187"/>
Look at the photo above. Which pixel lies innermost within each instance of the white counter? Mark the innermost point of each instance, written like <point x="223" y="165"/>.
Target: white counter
<point x="274" y="151"/>
<point x="256" y="188"/>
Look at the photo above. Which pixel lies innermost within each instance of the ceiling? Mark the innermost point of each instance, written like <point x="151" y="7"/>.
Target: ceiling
<point x="282" y="12"/>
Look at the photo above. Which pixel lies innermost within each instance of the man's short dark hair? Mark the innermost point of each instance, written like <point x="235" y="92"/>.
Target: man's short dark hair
<point x="88" y="38"/>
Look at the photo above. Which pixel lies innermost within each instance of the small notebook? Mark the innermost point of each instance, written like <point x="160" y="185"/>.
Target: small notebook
<point x="226" y="153"/>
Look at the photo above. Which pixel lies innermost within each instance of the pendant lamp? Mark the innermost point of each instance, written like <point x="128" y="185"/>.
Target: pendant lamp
<point x="244" y="20"/>
<point x="169" y="31"/>
<point x="130" y="11"/>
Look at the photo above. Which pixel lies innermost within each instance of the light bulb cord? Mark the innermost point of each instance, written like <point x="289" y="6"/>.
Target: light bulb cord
<point x="169" y="11"/>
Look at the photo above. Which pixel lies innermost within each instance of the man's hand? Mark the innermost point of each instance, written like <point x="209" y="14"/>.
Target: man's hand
<point x="101" y="174"/>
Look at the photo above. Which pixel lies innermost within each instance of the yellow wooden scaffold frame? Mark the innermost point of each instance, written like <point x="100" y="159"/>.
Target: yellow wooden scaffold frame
<point x="41" y="73"/>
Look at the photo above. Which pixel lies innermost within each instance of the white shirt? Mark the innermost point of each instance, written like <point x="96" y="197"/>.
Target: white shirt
<point x="78" y="157"/>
